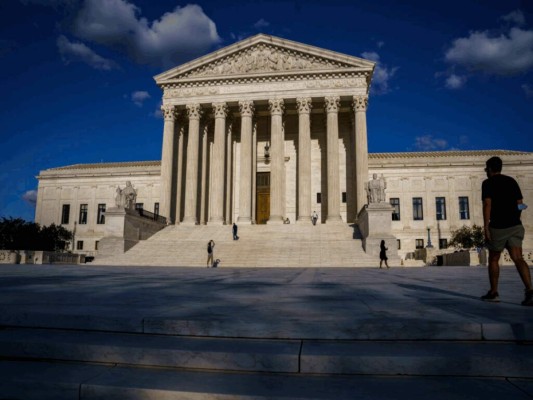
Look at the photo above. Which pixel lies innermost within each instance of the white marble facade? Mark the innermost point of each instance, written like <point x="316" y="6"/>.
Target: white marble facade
<point x="308" y="107"/>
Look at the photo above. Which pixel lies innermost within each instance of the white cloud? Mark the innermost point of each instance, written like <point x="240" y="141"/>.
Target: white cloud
<point x="76" y="51"/>
<point x="30" y="197"/>
<point x="429" y="143"/>
<point x="261" y="24"/>
<point x="455" y="81"/>
<point x="382" y="73"/>
<point x="505" y="54"/>
<point x="515" y="17"/>
<point x="528" y="90"/>
<point x="177" y="36"/>
<point x="139" y="97"/>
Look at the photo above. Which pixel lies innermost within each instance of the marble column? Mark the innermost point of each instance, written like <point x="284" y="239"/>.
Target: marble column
<point x="277" y="165"/>
<point x="332" y="105"/>
<point x="179" y="171"/>
<point x="216" y="193"/>
<point x="229" y="169"/>
<point x="245" y="189"/>
<point x="203" y="172"/>
<point x="254" y="170"/>
<point x="360" y="104"/>
<point x="167" y="160"/>
<point x="191" y="178"/>
<point x="304" y="159"/>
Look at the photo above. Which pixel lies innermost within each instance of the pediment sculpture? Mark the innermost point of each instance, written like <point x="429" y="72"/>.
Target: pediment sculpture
<point x="262" y="58"/>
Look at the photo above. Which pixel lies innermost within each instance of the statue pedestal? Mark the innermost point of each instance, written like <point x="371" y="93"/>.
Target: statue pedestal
<point x="375" y="224"/>
<point x="124" y="228"/>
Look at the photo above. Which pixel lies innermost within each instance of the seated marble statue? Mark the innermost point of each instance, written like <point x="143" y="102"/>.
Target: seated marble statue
<point x="126" y="197"/>
<point x="375" y="189"/>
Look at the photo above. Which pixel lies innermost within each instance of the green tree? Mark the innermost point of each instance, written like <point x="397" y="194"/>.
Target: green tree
<point x="467" y="237"/>
<point x="18" y="234"/>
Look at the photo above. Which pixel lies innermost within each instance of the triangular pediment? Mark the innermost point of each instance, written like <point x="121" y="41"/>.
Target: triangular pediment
<point x="264" y="55"/>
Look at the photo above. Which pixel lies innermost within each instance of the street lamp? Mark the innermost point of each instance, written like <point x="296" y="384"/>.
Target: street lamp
<point x="429" y="246"/>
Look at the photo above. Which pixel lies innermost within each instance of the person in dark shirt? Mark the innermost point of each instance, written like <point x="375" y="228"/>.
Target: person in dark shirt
<point x="502" y="207"/>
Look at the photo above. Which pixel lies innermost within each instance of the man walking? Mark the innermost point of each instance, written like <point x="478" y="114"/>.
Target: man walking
<point x="502" y="207"/>
<point x="235" y="229"/>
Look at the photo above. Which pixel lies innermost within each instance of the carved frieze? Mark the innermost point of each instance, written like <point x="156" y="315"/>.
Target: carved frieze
<point x="188" y="92"/>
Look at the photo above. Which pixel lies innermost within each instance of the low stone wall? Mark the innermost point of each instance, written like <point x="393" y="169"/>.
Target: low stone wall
<point x="39" y="257"/>
<point x="465" y="258"/>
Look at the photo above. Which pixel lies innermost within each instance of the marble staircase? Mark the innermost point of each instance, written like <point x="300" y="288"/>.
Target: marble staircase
<point x="290" y="245"/>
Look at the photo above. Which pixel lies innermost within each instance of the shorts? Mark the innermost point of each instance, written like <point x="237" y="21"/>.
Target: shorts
<point x="506" y="237"/>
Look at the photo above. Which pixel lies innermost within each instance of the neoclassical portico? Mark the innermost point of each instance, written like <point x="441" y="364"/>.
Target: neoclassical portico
<point x="264" y="130"/>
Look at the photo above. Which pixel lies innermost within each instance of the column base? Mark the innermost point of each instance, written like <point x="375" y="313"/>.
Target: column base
<point x="215" y="223"/>
<point x="189" y="221"/>
<point x="244" y="221"/>
<point x="334" y="220"/>
<point x="275" y="220"/>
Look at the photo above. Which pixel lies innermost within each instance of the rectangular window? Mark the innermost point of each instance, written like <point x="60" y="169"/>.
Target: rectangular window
<point x="395" y="202"/>
<point x="79" y="245"/>
<point x="65" y="214"/>
<point x="319" y="198"/>
<point x="419" y="243"/>
<point x="83" y="214"/>
<point x="96" y="244"/>
<point x="440" y="206"/>
<point x="464" y="209"/>
<point x="399" y="244"/>
<point x="139" y="206"/>
<point x="418" y="212"/>
<point x="344" y="197"/>
<point x="156" y="208"/>
<point x="101" y="214"/>
<point x="443" y="243"/>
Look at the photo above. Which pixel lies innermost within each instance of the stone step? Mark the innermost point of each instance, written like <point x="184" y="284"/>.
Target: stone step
<point x="254" y="355"/>
<point x="74" y="381"/>
<point x="259" y="246"/>
<point x="487" y="359"/>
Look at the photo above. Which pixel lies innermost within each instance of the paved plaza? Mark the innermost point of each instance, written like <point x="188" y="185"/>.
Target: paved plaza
<point x="336" y="333"/>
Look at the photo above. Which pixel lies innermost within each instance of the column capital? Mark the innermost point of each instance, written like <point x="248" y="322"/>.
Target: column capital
<point x="332" y="104"/>
<point x="304" y="105"/>
<point x="360" y="103"/>
<point x="220" y="110"/>
<point x="194" y="111"/>
<point x="246" y="108"/>
<point x="276" y="106"/>
<point x="169" y="112"/>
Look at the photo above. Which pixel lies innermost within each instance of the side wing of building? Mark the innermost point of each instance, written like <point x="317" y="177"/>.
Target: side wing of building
<point x="442" y="191"/>
<point x="77" y="196"/>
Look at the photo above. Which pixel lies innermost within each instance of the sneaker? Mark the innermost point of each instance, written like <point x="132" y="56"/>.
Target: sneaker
<point x="528" y="300"/>
<point x="494" y="297"/>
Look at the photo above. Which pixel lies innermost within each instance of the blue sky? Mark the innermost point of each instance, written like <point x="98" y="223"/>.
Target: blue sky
<point x="77" y="76"/>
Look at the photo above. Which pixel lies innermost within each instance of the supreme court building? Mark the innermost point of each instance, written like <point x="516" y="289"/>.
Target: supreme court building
<point x="267" y="131"/>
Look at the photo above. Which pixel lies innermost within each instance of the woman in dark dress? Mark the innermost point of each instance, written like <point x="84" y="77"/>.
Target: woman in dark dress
<point x="383" y="254"/>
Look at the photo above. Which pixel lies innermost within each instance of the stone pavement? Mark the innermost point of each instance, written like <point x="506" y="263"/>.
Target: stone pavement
<point x="93" y="332"/>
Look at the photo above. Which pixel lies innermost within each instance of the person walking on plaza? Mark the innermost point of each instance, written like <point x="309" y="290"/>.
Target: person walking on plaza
<point x="383" y="254"/>
<point x="235" y="229"/>
<point x="314" y="218"/>
<point x="502" y="208"/>
<point x="210" y="251"/>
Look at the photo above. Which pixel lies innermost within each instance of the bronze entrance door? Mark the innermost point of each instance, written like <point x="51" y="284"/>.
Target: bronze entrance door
<point x="263" y="197"/>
